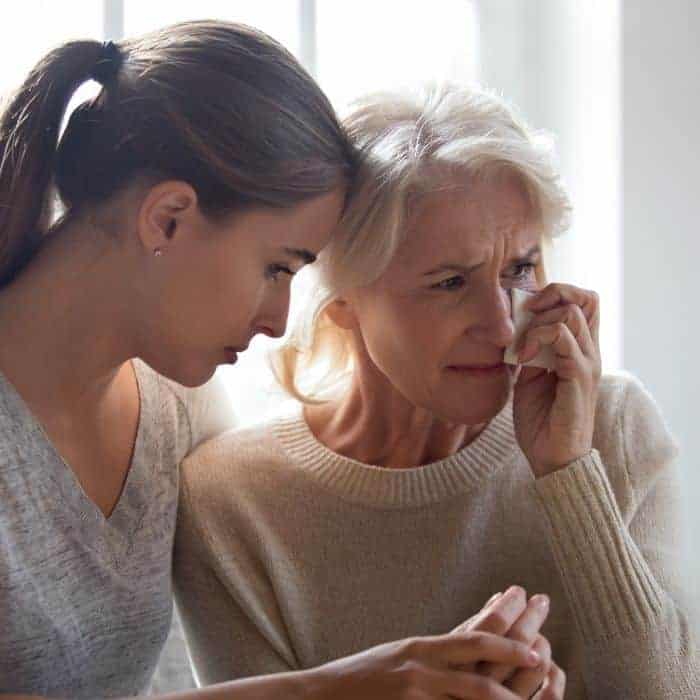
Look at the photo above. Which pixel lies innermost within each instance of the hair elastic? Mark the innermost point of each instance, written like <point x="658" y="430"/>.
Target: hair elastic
<point x="108" y="63"/>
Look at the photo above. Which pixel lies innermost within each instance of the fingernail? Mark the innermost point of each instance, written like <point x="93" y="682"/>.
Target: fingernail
<point x="493" y="598"/>
<point x="534" y="658"/>
<point x="513" y="590"/>
<point x="542" y="601"/>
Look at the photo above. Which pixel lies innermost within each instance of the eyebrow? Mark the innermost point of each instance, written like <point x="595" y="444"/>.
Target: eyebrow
<point x="306" y="256"/>
<point x="453" y="267"/>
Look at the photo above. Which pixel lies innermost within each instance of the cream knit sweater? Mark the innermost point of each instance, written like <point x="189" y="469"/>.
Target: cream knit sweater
<point x="289" y="555"/>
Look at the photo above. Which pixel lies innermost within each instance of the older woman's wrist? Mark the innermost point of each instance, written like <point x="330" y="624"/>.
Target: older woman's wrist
<point x="542" y="470"/>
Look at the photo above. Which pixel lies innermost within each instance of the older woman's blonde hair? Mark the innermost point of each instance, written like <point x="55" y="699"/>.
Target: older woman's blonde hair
<point x="410" y="143"/>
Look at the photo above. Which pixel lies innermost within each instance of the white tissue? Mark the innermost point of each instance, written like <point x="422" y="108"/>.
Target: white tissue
<point x="521" y="320"/>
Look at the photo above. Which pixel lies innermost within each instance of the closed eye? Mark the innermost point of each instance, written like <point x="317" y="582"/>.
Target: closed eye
<point x="450" y="284"/>
<point x="273" y="271"/>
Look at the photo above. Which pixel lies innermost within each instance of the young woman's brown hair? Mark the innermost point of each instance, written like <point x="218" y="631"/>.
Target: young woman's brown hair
<point x="221" y="106"/>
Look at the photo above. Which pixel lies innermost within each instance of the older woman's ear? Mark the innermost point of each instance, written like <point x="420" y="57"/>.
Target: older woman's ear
<point x="341" y="312"/>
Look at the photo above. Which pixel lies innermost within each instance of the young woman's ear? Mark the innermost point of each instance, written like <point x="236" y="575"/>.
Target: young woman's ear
<point x="340" y="311"/>
<point x="163" y="211"/>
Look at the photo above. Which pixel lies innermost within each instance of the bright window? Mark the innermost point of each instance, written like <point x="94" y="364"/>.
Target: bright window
<point x="29" y="29"/>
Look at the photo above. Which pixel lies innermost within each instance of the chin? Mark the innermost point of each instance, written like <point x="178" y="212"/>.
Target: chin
<point x="196" y="375"/>
<point x="188" y="374"/>
<point x="468" y="408"/>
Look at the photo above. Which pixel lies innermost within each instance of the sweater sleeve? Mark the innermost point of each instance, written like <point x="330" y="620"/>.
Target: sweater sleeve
<point x="624" y="574"/>
<point x="223" y="641"/>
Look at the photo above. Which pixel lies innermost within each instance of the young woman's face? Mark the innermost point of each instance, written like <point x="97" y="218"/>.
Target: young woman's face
<point x="223" y="283"/>
<point x="442" y="308"/>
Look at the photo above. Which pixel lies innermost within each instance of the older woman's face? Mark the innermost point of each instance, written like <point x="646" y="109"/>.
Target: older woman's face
<point x="441" y="311"/>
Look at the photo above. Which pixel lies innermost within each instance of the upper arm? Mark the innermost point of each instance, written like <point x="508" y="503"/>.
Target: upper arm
<point x="658" y="524"/>
<point x="223" y="640"/>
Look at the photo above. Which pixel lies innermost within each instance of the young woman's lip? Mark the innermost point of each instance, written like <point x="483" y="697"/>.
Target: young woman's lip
<point x="231" y="355"/>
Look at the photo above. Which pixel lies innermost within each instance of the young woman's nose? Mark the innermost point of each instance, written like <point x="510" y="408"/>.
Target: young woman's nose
<point x="274" y="317"/>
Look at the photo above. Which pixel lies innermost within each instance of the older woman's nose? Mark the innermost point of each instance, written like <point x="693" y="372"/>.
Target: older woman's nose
<point x="494" y="323"/>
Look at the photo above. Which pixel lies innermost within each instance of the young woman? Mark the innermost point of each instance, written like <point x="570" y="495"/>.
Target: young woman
<point x="207" y="172"/>
<point x="424" y="472"/>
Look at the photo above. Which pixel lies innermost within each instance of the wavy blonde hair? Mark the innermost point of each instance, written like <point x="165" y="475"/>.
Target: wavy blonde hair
<point x="411" y="143"/>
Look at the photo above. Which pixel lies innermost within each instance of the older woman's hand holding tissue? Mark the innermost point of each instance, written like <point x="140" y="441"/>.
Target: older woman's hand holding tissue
<point x="554" y="411"/>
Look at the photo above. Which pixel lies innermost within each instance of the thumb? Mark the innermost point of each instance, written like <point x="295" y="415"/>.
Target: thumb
<point x="528" y="374"/>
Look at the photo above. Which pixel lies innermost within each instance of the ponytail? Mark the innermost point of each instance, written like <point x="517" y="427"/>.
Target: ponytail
<point x="218" y="105"/>
<point x="29" y="128"/>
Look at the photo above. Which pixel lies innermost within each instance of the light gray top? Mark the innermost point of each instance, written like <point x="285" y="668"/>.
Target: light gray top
<point x="85" y="601"/>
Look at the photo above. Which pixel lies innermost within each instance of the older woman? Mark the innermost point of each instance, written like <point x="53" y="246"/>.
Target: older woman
<point x="422" y="473"/>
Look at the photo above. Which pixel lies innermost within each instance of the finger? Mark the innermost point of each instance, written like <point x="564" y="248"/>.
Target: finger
<point x="572" y="316"/>
<point x="499" y="616"/>
<point x="568" y="354"/>
<point x="525" y="630"/>
<point x="470" y="624"/>
<point x="455" y="650"/>
<point x="471" y="686"/>
<point x="556" y="294"/>
<point x="554" y="685"/>
<point x="528" y="375"/>
<point x="493" y="599"/>
<point x="525" y="682"/>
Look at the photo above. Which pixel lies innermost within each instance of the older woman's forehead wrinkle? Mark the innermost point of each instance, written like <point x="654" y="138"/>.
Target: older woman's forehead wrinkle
<point x="456" y="227"/>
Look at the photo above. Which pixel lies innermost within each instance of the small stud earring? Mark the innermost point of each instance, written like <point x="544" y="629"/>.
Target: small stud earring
<point x="157" y="252"/>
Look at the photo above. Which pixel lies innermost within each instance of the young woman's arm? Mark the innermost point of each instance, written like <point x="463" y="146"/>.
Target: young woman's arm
<point x="253" y="689"/>
<point x="423" y="667"/>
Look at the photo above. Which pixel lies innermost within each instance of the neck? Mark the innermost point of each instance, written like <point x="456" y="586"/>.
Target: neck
<point x="373" y="423"/>
<point x="64" y="320"/>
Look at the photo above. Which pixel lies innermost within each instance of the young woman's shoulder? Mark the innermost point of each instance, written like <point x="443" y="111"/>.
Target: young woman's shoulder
<point x="631" y="435"/>
<point x="198" y="413"/>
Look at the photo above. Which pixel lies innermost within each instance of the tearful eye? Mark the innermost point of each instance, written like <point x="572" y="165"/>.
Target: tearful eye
<point x="273" y="272"/>
<point x="523" y="271"/>
<point x="450" y="284"/>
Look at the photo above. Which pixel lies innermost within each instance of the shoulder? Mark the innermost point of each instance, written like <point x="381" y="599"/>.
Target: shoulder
<point x="229" y="486"/>
<point x="631" y="434"/>
<point x="196" y="413"/>
<point x="236" y="461"/>
<point x="629" y="418"/>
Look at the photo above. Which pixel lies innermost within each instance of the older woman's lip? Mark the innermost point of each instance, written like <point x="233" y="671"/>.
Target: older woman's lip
<point x="479" y="369"/>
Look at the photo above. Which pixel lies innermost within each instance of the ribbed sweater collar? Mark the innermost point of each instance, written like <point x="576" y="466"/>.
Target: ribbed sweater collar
<point x="397" y="488"/>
